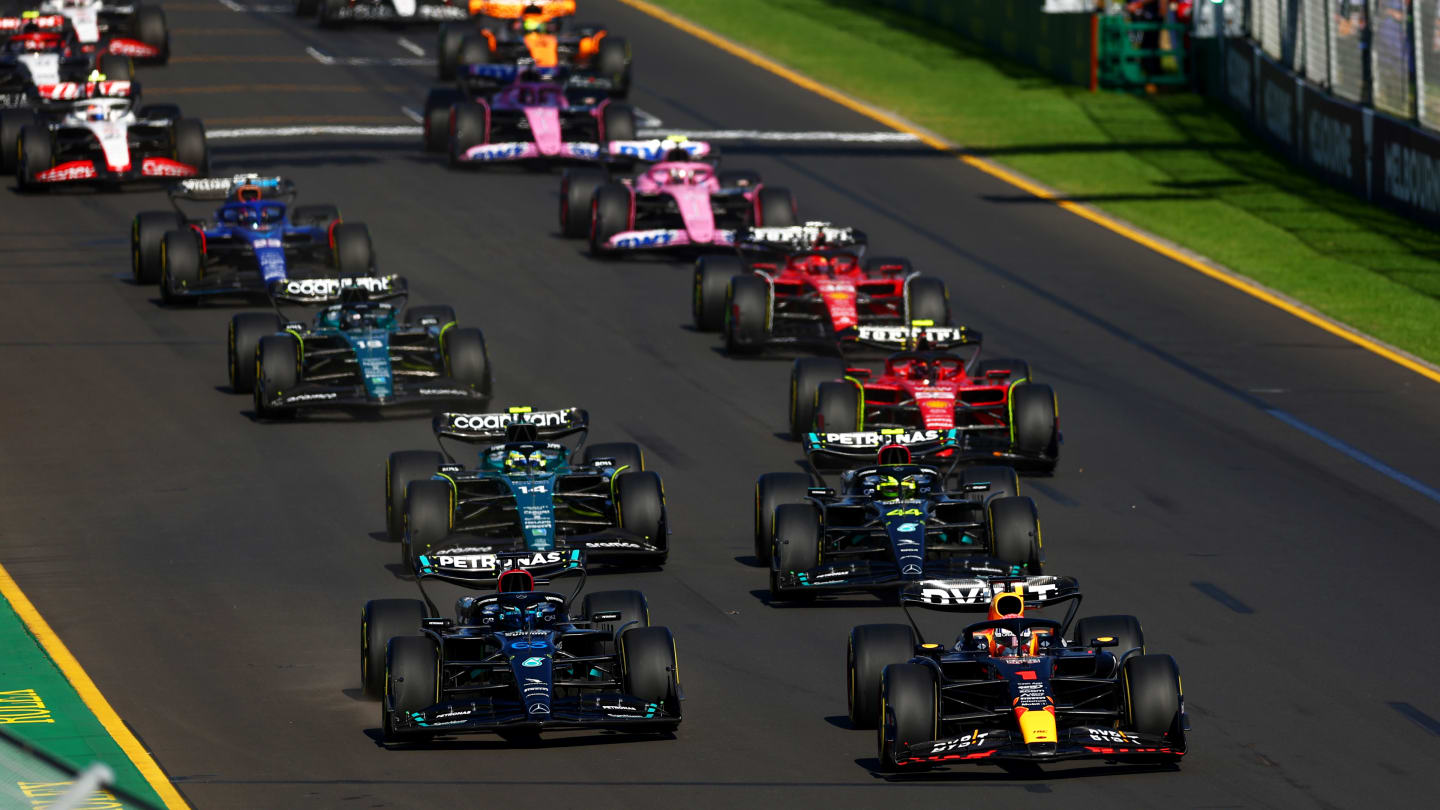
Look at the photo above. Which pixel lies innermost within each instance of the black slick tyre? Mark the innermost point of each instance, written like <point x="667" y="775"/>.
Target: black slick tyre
<point x="1034" y="421"/>
<point x="11" y="122"/>
<point x="1152" y="694"/>
<point x="1015" y="533"/>
<point x="277" y="370"/>
<point x="469" y="126"/>
<point x="180" y="266"/>
<point x="618" y="122"/>
<point x="927" y="299"/>
<point x="403" y="468"/>
<point x="772" y="490"/>
<point x="34" y="155"/>
<point x="623" y="454"/>
<point x="837" y="407"/>
<point x="412" y="665"/>
<point x="191" y="148"/>
<point x="612" y="61"/>
<point x="115" y="67"/>
<point x="243" y="340"/>
<point x="648" y="669"/>
<point x="747" y="315"/>
<point x="712" y="281"/>
<point x="796" y="548"/>
<point x="437" y="118"/>
<point x="447" y="48"/>
<point x="609" y="215"/>
<point x="806" y="376"/>
<point x="466" y="359"/>
<point x="429" y="517"/>
<point x="380" y="621"/>
<point x="983" y="483"/>
<point x="873" y="647"/>
<point x="640" y="504"/>
<point x="908" y="712"/>
<point x="577" y="188"/>
<point x="474" y="50"/>
<point x="151" y="28"/>
<point x="147" y="231"/>
<point x="775" y="208"/>
<point x="354" y="254"/>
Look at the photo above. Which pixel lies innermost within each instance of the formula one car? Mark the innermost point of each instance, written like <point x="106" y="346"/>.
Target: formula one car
<point x="255" y="238"/>
<point x="892" y="522"/>
<point x="679" y="202"/>
<point x="535" y="32"/>
<point x="37" y="51"/>
<point x="529" y="492"/>
<point x="1003" y="414"/>
<point x="103" y="140"/>
<point x="1013" y="688"/>
<point x="356" y="354"/>
<point x="338" y="13"/>
<point x="133" y="30"/>
<point x="808" y="285"/>
<point x="518" y="662"/>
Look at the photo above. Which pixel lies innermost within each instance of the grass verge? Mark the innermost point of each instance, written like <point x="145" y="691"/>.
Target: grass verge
<point x="1176" y="165"/>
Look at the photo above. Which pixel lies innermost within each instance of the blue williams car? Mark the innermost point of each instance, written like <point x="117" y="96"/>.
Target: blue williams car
<point x="360" y="352"/>
<point x="256" y="237"/>
<point x="528" y="493"/>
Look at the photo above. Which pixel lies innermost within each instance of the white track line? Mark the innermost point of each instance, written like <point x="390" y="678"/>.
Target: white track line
<point x="646" y="120"/>
<point x="319" y="55"/>
<point x="412" y="115"/>
<point x="350" y="61"/>
<point x="410" y="46"/>
<point x="233" y="6"/>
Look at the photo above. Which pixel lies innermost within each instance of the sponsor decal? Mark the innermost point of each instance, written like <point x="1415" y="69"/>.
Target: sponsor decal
<point x="497" y="151"/>
<point x="22" y="706"/>
<point x="1328" y="141"/>
<point x="1412" y="177"/>
<point x="533" y="661"/>
<point x="311" y="397"/>
<point x="496" y="421"/>
<point x="77" y="170"/>
<point x="612" y="544"/>
<point x="444" y="392"/>
<point x="809" y="233"/>
<point x="619" y="708"/>
<point x="872" y="438"/>
<point x="1279" y="110"/>
<point x="974" y="738"/>
<point x="539" y="708"/>
<point x="328" y="287"/>
<point x="491" y="562"/>
<point x="904" y="334"/>
<point x="644" y="239"/>
<point x="978" y="594"/>
<point x="1109" y="735"/>
<point x="163" y="167"/>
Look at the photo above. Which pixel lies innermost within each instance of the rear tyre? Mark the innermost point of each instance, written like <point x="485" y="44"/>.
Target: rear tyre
<point x="180" y="266"/>
<point x="437" y="117"/>
<point x="837" y="407"/>
<point x="151" y="29"/>
<point x="771" y="491"/>
<point x="115" y="67"/>
<point x="314" y="216"/>
<point x="640" y="502"/>
<point x="429" y="517"/>
<point x="429" y="315"/>
<point x="447" y="48"/>
<point x="469" y="127"/>
<point x="1015" y="533"/>
<point x="412" y="664"/>
<point x="11" y="122"/>
<point x="380" y="621"/>
<point x="633" y="610"/>
<point x="997" y="482"/>
<point x="34" y="155"/>
<point x="277" y="362"/>
<point x="624" y="454"/>
<point x="1152" y="694"/>
<point x="609" y="215"/>
<point x="1033" y="419"/>
<point x="618" y="121"/>
<point x="246" y="331"/>
<point x="147" y="231"/>
<point x="872" y="648"/>
<point x="190" y="146"/>
<point x="612" y="61"/>
<point x="402" y="469"/>
<point x="577" y="188"/>
<point x="797" y="548"/>
<point x="712" y="280"/>
<point x="648" y="667"/>
<point x="466" y="359"/>
<point x="908" y="711"/>
<point x="926" y="299"/>
<point x="806" y="377"/>
<point x="1126" y="631"/>
<point x="354" y="254"/>
<point x="775" y="208"/>
<point x="747" y="315"/>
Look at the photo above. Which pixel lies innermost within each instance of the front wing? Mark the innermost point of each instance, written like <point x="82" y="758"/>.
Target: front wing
<point x="599" y="546"/>
<point x="594" y="711"/>
<point x="874" y="575"/>
<point x="96" y="172"/>
<point x="436" y="390"/>
<point x="1083" y="742"/>
<point x="663" y="238"/>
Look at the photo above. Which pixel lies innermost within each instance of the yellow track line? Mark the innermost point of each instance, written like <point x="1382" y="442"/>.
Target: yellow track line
<point x="1000" y="173"/>
<point x="89" y="693"/>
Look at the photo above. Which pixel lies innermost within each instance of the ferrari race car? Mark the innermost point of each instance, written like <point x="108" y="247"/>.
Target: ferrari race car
<point x="892" y="522"/>
<point x="338" y="13"/>
<point x="538" y="32"/>
<point x="1003" y="415"/>
<point x="808" y="285"/>
<point x="100" y="139"/>
<point x="539" y="116"/>
<point x="132" y="30"/>
<point x="1013" y="688"/>
<point x="357" y="354"/>
<point x="528" y="493"/>
<point x="255" y="238"/>
<point x="678" y="203"/>
<point x="518" y="662"/>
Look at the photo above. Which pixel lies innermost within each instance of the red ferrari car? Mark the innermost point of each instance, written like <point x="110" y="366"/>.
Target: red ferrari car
<point x="809" y="285"/>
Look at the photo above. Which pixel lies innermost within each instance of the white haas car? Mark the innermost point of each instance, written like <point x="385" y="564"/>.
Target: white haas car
<point x="337" y="13"/>
<point x="103" y="140"/>
<point x="124" y="29"/>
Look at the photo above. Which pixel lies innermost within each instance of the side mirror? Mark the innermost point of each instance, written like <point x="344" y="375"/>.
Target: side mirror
<point x="605" y="616"/>
<point x="1103" y="641"/>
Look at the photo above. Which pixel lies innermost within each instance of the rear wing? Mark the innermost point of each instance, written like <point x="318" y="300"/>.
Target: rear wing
<point x="810" y="236"/>
<point x="77" y="91"/>
<point x="471" y="566"/>
<point x="657" y="149"/>
<point x="973" y="594"/>
<point x="44" y="22"/>
<point x="862" y="445"/>
<point x="491" y="76"/>
<point x="482" y="427"/>
<point x="514" y="9"/>
<point x="918" y="334"/>
<point x="335" y="290"/>
<point x="202" y="189"/>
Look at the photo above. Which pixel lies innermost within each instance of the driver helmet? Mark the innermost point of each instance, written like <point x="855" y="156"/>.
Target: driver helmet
<point x="890" y="488"/>
<point x="250" y="218"/>
<point x="93" y="112"/>
<point x="925" y="370"/>
<point x="520" y="461"/>
<point x="1002" y="642"/>
<point x="681" y="174"/>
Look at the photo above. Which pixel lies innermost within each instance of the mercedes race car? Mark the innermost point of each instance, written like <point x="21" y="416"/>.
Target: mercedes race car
<point x="541" y="33"/>
<point x="101" y="139"/>
<point x="256" y="237"/>
<point x="529" y="492"/>
<point x="357" y="354"/>
<point x="338" y="13"/>
<point x="679" y="203"/>
<point x="1013" y="688"/>
<point x="132" y="30"/>
<point x="808" y="285"/>
<point x="995" y="404"/>
<point x="892" y="522"/>
<point x="519" y="662"/>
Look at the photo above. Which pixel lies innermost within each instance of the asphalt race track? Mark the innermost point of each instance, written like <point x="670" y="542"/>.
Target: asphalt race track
<point x="208" y="570"/>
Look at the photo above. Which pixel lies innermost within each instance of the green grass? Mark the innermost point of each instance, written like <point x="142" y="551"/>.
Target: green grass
<point x="1176" y="165"/>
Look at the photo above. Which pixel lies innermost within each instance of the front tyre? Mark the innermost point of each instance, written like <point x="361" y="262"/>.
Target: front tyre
<point x="772" y="490"/>
<point x="466" y="359"/>
<point x="640" y="504"/>
<point x="402" y="469"/>
<point x="246" y="331"/>
<point x="1015" y="533"/>
<point x="429" y="518"/>
<point x="181" y="266"/>
<point x="380" y="621"/>
<point x="577" y="189"/>
<point x="797" y="548"/>
<point x="712" y="282"/>
<point x="747" y="315"/>
<point x="1034" y="422"/>
<point x="872" y="648"/>
<point x="609" y="215"/>
<point x="412" y="664"/>
<point x="1153" y="698"/>
<point x="649" y="668"/>
<point x="908" y="712"/>
<point x="354" y="254"/>
<point x="277" y="370"/>
<point x="775" y="208"/>
<point x="927" y="299"/>
<point x="147" y="230"/>
<point x="806" y="376"/>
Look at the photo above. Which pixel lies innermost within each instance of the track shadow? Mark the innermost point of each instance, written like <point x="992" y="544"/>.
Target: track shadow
<point x="382" y="537"/>
<point x="356" y="695"/>
<point x="1017" y="772"/>
<point x="823" y="602"/>
<point x="836" y="720"/>
<point x="750" y="560"/>
<point x="570" y="740"/>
